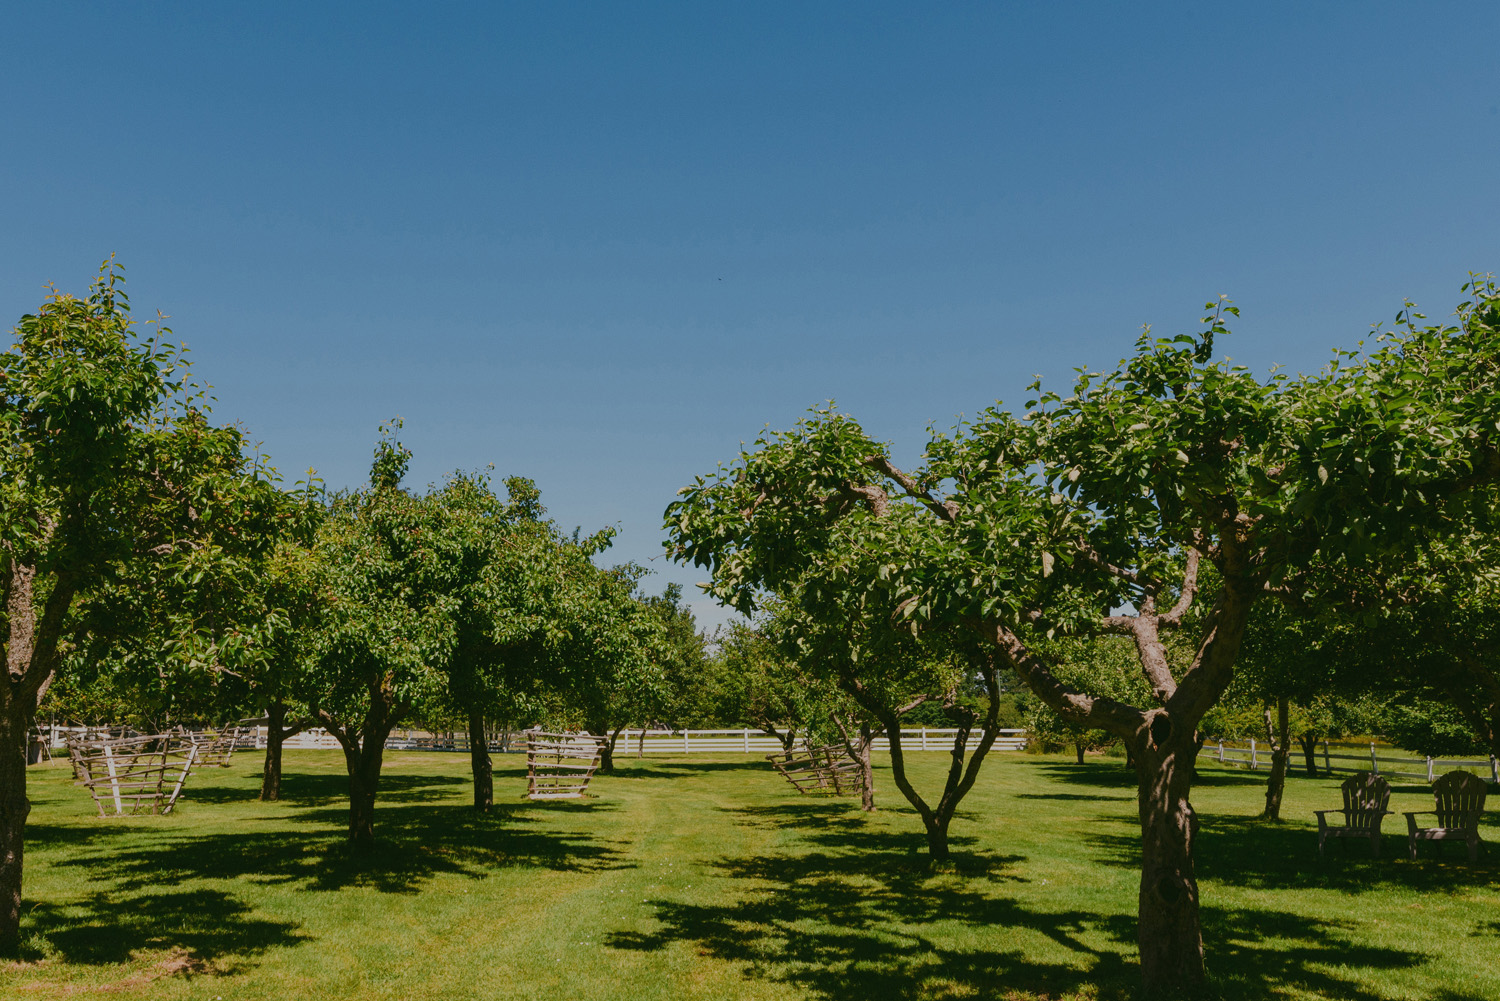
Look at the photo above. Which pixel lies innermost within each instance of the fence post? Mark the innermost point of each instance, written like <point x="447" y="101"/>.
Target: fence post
<point x="684" y="742"/>
<point x="1221" y="752"/>
<point x="1494" y="770"/>
<point x="1429" y="768"/>
<point x="924" y="738"/>
<point x="747" y="741"/>
<point x="1253" y="762"/>
<point x="1327" y="765"/>
<point x="1374" y="761"/>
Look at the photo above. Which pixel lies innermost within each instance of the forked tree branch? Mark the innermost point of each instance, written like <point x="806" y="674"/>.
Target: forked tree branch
<point x="945" y="510"/>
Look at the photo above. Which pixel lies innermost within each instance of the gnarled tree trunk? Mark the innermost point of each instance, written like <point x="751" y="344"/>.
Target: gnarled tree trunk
<point x="1170" y="933"/>
<point x="30" y="655"/>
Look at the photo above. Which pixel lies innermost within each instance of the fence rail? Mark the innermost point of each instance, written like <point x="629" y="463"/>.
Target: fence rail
<point x="1335" y="757"/>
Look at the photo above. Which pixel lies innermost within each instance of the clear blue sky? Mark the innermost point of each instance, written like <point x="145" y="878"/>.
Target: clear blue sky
<point x="601" y="244"/>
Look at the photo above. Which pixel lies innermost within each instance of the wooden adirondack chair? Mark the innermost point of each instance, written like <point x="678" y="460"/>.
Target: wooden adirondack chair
<point x="1460" y="801"/>
<point x="1365" y="799"/>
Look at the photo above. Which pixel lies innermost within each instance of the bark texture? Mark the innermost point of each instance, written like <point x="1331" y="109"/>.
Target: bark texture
<point x="1170" y="935"/>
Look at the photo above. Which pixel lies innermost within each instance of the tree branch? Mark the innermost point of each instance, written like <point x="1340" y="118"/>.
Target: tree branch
<point x="946" y="510"/>
<point x="1189" y="592"/>
<point x="1105" y="714"/>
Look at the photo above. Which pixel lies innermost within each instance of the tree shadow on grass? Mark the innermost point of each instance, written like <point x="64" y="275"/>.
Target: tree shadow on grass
<point x="840" y="922"/>
<point x="1117" y="776"/>
<point x="414" y="844"/>
<point x="1256" y="854"/>
<point x="666" y="768"/>
<point x="107" y="928"/>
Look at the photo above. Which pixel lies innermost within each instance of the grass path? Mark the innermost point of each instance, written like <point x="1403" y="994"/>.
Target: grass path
<point x="709" y="878"/>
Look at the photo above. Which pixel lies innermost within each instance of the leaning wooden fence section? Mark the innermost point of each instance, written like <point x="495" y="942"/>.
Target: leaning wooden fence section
<point x="829" y="770"/>
<point x="130" y="775"/>
<point x="559" y="765"/>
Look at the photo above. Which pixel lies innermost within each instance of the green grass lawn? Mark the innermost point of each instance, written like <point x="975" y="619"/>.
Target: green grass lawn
<point x="708" y="877"/>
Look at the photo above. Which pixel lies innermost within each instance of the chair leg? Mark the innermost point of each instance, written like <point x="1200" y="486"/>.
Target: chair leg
<point x="1411" y="846"/>
<point x="1473" y="840"/>
<point x="1375" y="846"/>
<point x="1322" y="840"/>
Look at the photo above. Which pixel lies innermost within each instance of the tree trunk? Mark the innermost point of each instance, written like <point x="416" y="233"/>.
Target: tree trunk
<point x="364" y="751"/>
<point x="1281" y="750"/>
<point x="866" y="771"/>
<point x="1171" y="936"/>
<point x="614" y="739"/>
<point x="1078" y="749"/>
<point x="859" y="750"/>
<point x="361" y="808"/>
<point x="15" y="726"/>
<point x="600" y="728"/>
<point x="1309" y="742"/>
<point x="277" y="733"/>
<point x="270" y="773"/>
<point x="937" y="830"/>
<point x="960" y="777"/>
<point x="480" y="764"/>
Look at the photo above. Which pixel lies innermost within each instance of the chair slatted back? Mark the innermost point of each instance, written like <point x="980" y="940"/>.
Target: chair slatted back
<point x="1365" y="798"/>
<point x="1460" y="798"/>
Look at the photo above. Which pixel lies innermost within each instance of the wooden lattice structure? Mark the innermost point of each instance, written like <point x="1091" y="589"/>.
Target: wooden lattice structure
<point x="129" y="775"/>
<point x="828" y="770"/>
<point x="559" y="765"/>
<point x="215" y="747"/>
<point x="1460" y="799"/>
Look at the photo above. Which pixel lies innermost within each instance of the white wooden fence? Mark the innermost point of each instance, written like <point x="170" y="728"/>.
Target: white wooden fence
<point x="655" y="741"/>
<point x="1334" y="757"/>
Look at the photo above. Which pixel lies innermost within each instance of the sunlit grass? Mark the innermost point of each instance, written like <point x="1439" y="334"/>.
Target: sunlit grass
<point x="709" y="877"/>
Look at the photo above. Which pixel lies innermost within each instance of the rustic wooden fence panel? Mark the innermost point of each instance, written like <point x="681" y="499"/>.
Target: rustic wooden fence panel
<point x="133" y="774"/>
<point x="829" y="770"/>
<point x="560" y="765"/>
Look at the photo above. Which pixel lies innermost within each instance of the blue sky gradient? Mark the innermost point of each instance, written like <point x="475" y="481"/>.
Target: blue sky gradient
<point x="602" y="244"/>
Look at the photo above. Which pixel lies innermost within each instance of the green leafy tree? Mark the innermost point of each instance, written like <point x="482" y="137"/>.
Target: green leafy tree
<point x="111" y="470"/>
<point x="761" y="687"/>
<point x="388" y="560"/>
<point x="1021" y="528"/>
